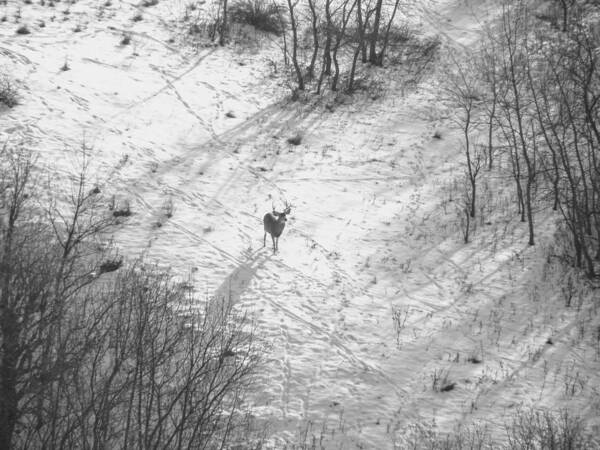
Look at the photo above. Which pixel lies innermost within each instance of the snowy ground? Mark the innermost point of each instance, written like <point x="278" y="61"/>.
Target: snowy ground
<point x="373" y="233"/>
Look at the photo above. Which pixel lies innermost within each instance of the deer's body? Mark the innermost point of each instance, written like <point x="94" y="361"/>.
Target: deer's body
<point x="274" y="223"/>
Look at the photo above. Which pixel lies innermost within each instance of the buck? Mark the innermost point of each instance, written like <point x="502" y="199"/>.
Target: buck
<point x="274" y="223"/>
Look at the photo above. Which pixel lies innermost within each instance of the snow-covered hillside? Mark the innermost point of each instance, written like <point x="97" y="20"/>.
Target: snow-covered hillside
<point x="373" y="299"/>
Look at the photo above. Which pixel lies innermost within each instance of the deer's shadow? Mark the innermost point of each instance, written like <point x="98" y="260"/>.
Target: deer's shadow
<point x="238" y="281"/>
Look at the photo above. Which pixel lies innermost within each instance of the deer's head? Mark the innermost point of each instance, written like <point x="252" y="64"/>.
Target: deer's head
<point x="282" y="216"/>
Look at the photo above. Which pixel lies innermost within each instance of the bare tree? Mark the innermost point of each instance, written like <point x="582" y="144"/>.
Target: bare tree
<point x="294" y="25"/>
<point x="224" y="27"/>
<point x="515" y="102"/>
<point x="92" y="359"/>
<point x="373" y="57"/>
<point x="362" y="22"/>
<point x="489" y="69"/>
<point x="315" y="35"/>
<point x="326" y="64"/>
<point x="340" y="35"/>
<point x="464" y="90"/>
<point x="547" y="113"/>
<point x="386" y="36"/>
<point x="44" y="266"/>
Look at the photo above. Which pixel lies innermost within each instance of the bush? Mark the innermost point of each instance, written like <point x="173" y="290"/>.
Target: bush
<point x="122" y="212"/>
<point x="530" y="429"/>
<point x="8" y="92"/>
<point x="400" y="35"/>
<point x="417" y="54"/>
<point x="258" y="13"/>
<point x="126" y="39"/>
<point x="23" y="29"/>
<point x="440" y="381"/>
<point x="425" y="437"/>
<point x="543" y="429"/>
<point x="295" y="139"/>
<point x="110" y="265"/>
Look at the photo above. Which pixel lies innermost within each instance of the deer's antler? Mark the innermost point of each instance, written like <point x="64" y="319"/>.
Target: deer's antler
<point x="288" y="207"/>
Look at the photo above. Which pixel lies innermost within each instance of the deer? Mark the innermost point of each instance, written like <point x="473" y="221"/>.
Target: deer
<point x="274" y="223"/>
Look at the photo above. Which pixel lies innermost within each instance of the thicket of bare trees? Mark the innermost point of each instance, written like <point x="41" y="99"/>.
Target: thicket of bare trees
<point x="323" y="42"/>
<point x="91" y="358"/>
<point x="340" y="32"/>
<point x="539" y="82"/>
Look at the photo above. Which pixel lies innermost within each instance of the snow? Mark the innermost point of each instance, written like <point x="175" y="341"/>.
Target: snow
<point x="372" y="229"/>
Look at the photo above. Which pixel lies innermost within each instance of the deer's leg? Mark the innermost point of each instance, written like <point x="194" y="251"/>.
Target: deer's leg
<point x="265" y="239"/>
<point x="274" y="247"/>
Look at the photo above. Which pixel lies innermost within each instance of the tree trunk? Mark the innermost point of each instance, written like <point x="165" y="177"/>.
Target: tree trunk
<point x="299" y="77"/>
<point x="490" y="154"/>
<point x="362" y="27"/>
<point x="315" y="33"/>
<point x="350" y="86"/>
<point x="381" y="54"/>
<point x="327" y="49"/>
<point x="224" y="25"/>
<point x="375" y="34"/>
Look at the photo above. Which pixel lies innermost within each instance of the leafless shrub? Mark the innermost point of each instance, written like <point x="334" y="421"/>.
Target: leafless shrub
<point x="400" y="35"/>
<point x="125" y="39"/>
<point x="167" y="208"/>
<point x="474" y="359"/>
<point x="122" y="210"/>
<point x="261" y="14"/>
<point x="23" y="29"/>
<point x="399" y="317"/>
<point x="418" y="53"/>
<point x="375" y="88"/>
<point x="440" y="381"/>
<point x="530" y="429"/>
<point x="110" y="265"/>
<point x="426" y="437"/>
<point x="544" y="429"/>
<point x="573" y="380"/>
<point x="166" y="212"/>
<point x="9" y="95"/>
<point x="296" y="139"/>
